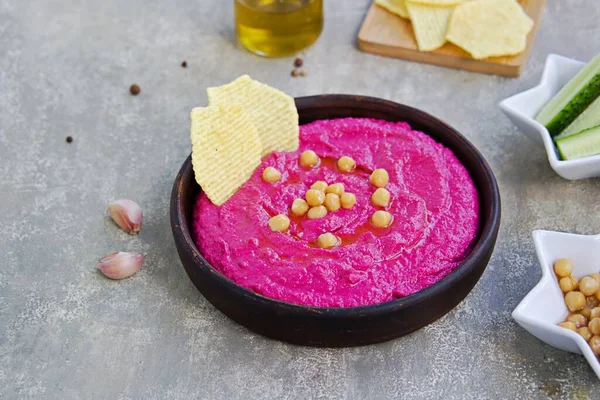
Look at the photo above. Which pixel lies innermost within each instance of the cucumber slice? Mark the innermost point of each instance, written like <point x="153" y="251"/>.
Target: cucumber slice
<point x="586" y="120"/>
<point x="582" y="144"/>
<point x="572" y="99"/>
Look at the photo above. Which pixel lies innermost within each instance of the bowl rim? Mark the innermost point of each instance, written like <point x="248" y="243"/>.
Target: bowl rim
<point x="489" y="226"/>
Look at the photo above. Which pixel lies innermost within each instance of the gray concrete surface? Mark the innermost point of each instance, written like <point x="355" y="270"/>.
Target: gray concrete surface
<point x="66" y="332"/>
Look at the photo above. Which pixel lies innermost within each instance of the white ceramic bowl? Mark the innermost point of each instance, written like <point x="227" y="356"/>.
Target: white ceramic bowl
<point x="523" y="107"/>
<point x="544" y="307"/>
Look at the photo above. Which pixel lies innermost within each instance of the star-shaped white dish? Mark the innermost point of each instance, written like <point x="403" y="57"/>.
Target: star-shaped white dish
<point x="523" y="108"/>
<point x="544" y="305"/>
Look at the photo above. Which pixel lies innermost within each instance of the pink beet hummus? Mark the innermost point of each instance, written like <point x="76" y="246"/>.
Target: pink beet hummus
<point x="434" y="205"/>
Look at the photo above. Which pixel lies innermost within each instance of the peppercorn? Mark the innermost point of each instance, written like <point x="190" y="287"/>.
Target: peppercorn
<point x="134" y="89"/>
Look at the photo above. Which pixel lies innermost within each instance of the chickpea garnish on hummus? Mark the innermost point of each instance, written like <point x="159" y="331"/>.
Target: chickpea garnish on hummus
<point x="381" y="198"/>
<point x="346" y="164"/>
<point x="380" y="178"/>
<point x="299" y="207"/>
<point x="348" y="200"/>
<point x="319" y="185"/>
<point x="336" y="188"/>
<point x="271" y="175"/>
<point x="328" y="240"/>
<point x="309" y="159"/>
<point x="317" y="212"/>
<point x="315" y="197"/>
<point x="332" y="202"/>
<point x="381" y="219"/>
<point x="322" y="198"/>
<point x="279" y="223"/>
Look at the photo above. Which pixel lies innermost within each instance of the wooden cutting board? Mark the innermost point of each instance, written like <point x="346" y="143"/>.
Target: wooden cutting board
<point x="386" y="34"/>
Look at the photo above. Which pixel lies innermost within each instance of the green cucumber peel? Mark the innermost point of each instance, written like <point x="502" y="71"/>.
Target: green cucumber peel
<point x="579" y="145"/>
<point x="573" y="99"/>
<point x="586" y="120"/>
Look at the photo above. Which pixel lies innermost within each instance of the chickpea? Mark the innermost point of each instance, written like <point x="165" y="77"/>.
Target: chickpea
<point x="585" y="333"/>
<point x="346" y="164"/>
<point x="594" y="326"/>
<point x="348" y="200"/>
<point x="271" y="175"/>
<point x="578" y="319"/>
<point x="380" y="178"/>
<point x="309" y="159"/>
<point x="383" y="219"/>
<point x="595" y="344"/>
<point x="319" y="185"/>
<point x="596" y="277"/>
<point x="568" y="284"/>
<point x="586" y="312"/>
<point x="315" y="197"/>
<point x="317" y="212"/>
<point x="588" y="286"/>
<point x="299" y="207"/>
<point x="595" y="313"/>
<point x="381" y="197"/>
<point x="568" y="325"/>
<point x="332" y="202"/>
<point x="279" y="223"/>
<point x="336" y="188"/>
<point x="575" y="301"/>
<point x="328" y="240"/>
<point x="563" y="267"/>
<point x="590" y="303"/>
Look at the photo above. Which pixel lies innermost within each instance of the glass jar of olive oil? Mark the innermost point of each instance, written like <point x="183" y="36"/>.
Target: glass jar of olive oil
<point x="278" y="28"/>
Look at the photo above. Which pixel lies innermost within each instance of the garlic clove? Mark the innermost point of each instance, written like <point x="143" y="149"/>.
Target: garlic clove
<point x="121" y="265"/>
<point x="127" y="214"/>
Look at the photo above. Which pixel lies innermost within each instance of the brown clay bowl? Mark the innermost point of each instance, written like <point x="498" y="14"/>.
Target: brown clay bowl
<point x="338" y="327"/>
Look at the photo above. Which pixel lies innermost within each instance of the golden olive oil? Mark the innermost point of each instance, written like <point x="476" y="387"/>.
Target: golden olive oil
<point x="278" y="28"/>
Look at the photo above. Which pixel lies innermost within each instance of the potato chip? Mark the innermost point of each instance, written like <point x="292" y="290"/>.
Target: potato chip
<point x="226" y="150"/>
<point x="397" y="7"/>
<point x="438" y="2"/>
<point x="273" y="112"/>
<point x="430" y="24"/>
<point x="490" y="28"/>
